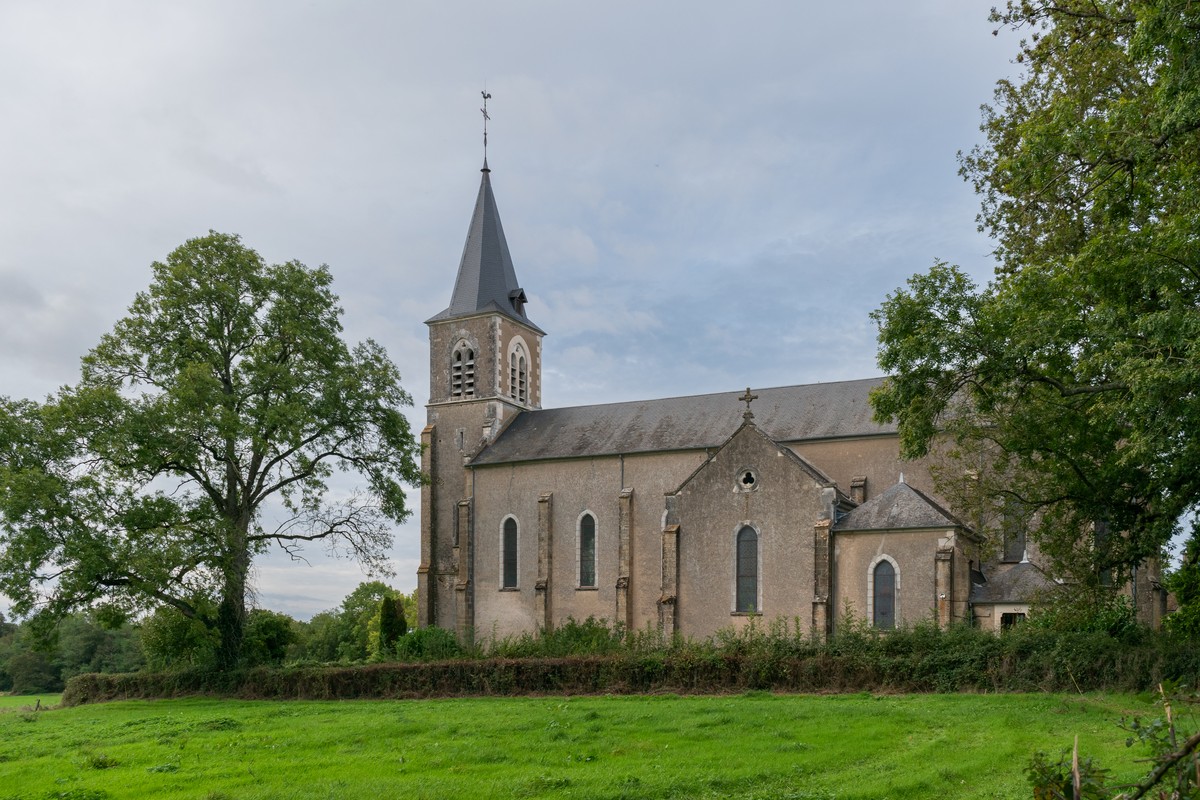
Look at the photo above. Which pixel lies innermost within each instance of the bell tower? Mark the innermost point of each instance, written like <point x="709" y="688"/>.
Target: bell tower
<point x="485" y="366"/>
<point x="483" y="346"/>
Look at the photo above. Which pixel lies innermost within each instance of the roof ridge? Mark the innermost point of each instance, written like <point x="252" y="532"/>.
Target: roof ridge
<point x="708" y="394"/>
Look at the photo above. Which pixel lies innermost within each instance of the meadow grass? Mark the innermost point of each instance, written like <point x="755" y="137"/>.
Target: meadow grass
<point x="755" y="745"/>
<point x="19" y="702"/>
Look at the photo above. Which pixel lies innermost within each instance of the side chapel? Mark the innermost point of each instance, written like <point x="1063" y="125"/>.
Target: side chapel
<point x="685" y="514"/>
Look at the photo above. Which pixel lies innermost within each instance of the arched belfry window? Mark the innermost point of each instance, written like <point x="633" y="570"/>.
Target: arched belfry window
<point x="518" y="374"/>
<point x="508" y="554"/>
<point x="746" y="599"/>
<point x="883" y="594"/>
<point x="462" y="372"/>
<point x="587" y="551"/>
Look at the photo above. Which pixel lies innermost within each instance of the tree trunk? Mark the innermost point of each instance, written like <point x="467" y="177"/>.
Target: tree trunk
<point x="231" y="619"/>
<point x="231" y="615"/>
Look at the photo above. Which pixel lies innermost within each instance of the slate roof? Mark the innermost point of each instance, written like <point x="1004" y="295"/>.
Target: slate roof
<point x="784" y="414"/>
<point x="899" y="507"/>
<point x="1010" y="583"/>
<point x="486" y="279"/>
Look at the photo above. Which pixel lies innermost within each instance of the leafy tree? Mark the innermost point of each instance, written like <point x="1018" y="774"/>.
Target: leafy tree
<point x="1185" y="584"/>
<point x="79" y="643"/>
<point x="225" y="394"/>
<point x="359" y="614"/>
<point x="268" y="636"/>
<point x="392" y="626"/>
<point x="401" y="619"/>
<point x="1069" y="382"/>
<point x="32" y="672"/>
<point x="351" y="631"/>
<point x="407" y="604"/>
<point x="171" y="639"/>
<point x="8" y="648"/>
<point x="318" y="638"/>
<point x="82" y="645"/>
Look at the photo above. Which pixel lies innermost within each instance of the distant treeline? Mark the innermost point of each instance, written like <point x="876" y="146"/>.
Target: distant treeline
<point x="32" y="664"/>
<point x="38" y="657"/>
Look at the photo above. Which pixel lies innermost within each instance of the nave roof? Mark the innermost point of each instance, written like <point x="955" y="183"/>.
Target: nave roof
<point x="785" y="414"/>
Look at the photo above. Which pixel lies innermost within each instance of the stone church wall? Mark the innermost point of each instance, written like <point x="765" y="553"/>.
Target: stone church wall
<point x="448" y="488"/>
<point x="914" y="553"/>
<point x="876" y="457"/>
<point x="782" y="505"/>
<point x="556" y="493"/>
<point x="652" y="475"/>
<point x="783" y="509"/>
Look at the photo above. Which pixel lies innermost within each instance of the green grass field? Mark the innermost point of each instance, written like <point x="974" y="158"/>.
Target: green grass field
<point x="9" y="702"/>
<point x="744" y="746"/>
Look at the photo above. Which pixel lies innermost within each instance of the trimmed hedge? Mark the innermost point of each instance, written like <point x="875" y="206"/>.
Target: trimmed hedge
<point x="921" y="659"/>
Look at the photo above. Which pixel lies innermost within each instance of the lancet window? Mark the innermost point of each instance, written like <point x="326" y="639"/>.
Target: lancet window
<point x="747" y="570"/>
<point x="587" y="551"/>
<point x="508" y="554"/>
<point x="883" y="584"/>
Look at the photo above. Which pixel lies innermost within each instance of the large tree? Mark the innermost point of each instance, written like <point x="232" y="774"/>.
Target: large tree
<point x="205" y="429"/>
<point x="1070" y="384"/>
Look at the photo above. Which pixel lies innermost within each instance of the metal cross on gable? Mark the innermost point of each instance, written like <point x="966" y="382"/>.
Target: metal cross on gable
<point x="748" y="398"/>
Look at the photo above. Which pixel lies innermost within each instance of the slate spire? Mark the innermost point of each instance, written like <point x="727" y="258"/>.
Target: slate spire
<point x="486" y="279"/>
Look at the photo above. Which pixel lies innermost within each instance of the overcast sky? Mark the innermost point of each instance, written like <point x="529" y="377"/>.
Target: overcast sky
<point x="698" y="196"/>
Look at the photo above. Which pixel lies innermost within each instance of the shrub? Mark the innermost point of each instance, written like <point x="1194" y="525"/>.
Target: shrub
<point x="571" y="638"/>
<point x="591" y="657"/>
<point x="1066" y="609"/>
<point x="428" y="644"/>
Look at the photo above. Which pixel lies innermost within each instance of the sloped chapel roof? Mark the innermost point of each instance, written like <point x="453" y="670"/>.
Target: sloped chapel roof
<point x="784" y="414"/>
<point x="900" y="507"/>
<point x="486" y="279"/>
<point x="1011" y="583"/>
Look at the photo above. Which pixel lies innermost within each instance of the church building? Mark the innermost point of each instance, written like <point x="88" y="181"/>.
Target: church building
<point x="683" y="514"/>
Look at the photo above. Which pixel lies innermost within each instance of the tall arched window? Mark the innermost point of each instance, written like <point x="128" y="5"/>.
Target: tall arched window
<point x="587" y="551"/>
<point x="883" y="582"/>
<point x="462" y="372"/>
<point x="508" y="554"/>
<point x="747" y="570"/>
<point x="518" y="375"/>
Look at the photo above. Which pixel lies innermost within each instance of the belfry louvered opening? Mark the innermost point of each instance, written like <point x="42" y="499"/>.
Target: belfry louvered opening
<point x="462" y="372"/>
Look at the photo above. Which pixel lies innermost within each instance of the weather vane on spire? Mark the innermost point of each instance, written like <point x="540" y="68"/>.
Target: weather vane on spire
<point x="483" y="110"/>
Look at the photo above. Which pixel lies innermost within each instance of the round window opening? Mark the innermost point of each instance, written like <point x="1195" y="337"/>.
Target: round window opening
<point x="747" y="480"/>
